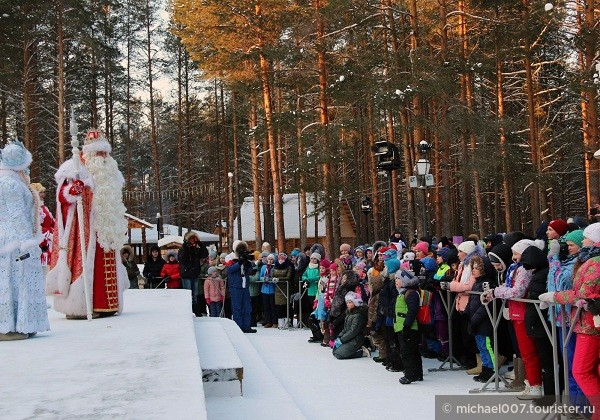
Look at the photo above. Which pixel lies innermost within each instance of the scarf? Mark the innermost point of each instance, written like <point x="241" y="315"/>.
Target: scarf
<point x="509" y="273"/>
<point x="588" y="252"/>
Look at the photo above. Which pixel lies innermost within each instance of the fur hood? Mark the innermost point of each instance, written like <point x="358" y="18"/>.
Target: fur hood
<point x="171" y="253"/>
<point x="189" y="234"/>
<point x="128" y="249"/>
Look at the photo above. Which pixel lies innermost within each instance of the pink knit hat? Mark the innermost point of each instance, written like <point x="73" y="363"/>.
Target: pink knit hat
<point x="422" y="246"/>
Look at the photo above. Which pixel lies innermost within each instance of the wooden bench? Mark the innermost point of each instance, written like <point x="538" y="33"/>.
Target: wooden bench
<point x="218" y="359"/>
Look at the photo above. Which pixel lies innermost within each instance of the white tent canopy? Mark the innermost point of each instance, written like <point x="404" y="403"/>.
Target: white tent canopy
<point x="169" y="231"/>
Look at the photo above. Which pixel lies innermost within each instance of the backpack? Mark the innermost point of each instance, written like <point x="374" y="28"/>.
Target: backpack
<point x="424" y="312"/>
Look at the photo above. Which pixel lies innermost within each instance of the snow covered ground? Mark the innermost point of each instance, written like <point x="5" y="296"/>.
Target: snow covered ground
<point x="144" y="364"/>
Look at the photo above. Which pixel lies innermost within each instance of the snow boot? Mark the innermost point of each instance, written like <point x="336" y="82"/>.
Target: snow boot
<point x="477" y="369"/>
<point x="485" y="375"/>
<point x="519" y="370"/>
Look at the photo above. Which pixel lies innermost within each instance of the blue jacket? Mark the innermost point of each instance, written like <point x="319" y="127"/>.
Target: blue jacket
<point x="267" y="288"/>
<point x="560" y="277"/>
<point x="234" y="274"/>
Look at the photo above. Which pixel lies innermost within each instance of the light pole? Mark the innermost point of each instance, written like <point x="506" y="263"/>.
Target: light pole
<point x="388" y="160"/>
<point x="159" y="228"/>
<point x="366" y="208"/>
<point x="423" y="179"/>
<point x="231" y="211"/>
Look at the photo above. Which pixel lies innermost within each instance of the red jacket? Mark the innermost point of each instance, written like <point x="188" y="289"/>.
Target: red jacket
<point x="171" y="269"/>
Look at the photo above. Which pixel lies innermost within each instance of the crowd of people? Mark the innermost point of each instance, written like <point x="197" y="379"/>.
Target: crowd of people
<point x="388" y="298"/>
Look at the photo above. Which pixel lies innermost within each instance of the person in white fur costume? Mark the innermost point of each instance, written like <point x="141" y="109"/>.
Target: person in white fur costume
<point x="23" y="311"/>
<point x="100" y="186"/>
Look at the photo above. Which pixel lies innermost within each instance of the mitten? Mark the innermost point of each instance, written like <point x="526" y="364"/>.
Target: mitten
<point x="553" y="247"/>
<point x="337" y="343"/>
<point x="581" y="303"/>
<point x="547" y="297"/>
<point x="544" y="305"/>
<point x="77" y="187"/>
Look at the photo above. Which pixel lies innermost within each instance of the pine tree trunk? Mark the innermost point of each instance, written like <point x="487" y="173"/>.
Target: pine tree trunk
<point x="255" y="174"/>
<point x="376" y="196"/>
<point x="60" y="75"/>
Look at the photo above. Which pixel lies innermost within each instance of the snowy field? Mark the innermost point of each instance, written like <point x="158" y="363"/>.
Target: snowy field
<point x="144" y="364"/>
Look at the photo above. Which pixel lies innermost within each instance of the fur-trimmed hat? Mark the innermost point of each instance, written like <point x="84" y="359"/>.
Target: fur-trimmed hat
<point x="15" y="157"/>
<point x="559" y="226"/>
<point x="170" y="254"/>
<point x="354" y="298"/>
<point x="95" y="142"/>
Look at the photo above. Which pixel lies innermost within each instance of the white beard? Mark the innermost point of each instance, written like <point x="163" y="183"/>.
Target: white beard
<point x="108" y="210"/>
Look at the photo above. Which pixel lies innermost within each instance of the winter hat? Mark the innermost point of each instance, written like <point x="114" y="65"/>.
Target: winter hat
<point x="264" y="254"/>
<point x="408" y="279"/>
<point x="315" y="255"/>
<point x="421" y="246"/>
<point x="408" y="256"/>
<point x="575" y="236"/>
<point x="468" y="247"/>
<point x="523" y="244"/>
<point x="15" y="157"/>
<point x="559" y="226"/>
<point x="345" y="247"/>
<point x="212" y="254"/>
<point x="273" y="256"/>
<point x="592" y="232"/>
<point x="501" y="254"/>
<point x="223" y="255"/>
<point x="282" y="254"/>
<point x="443" y="253"/>
<point x="95" y="142"/>
<point x="512" y="238"/>
<point x="171" y="254"/>
<point x="295" y="252"/>
<point x="392" y="265"/>
<point x="360" y="266"/>
<point x="325" y="263"/>
<point x="333" y="267"/>
<point x="211" y="270"/>
<point x="362" y="249"/>
<point x="354" y="298"/>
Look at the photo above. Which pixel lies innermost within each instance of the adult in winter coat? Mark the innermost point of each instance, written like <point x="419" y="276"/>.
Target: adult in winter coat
<point x="153" y="267"/>
<point x="283" y="272"/>
<point x="171" y="270"/>
<point x="376" y="276"/>
<point x="480" y="324"/>
<point x="535" y="261"/>
<point x="23" y="311"/>
<point x="348" y="345"/>
<point x="238" y="277"/>
<point x="385" y="310"/>
<point x="586" y="285"/>
<point x="132" y="269"/>
<point x="191" y="255"/>
<point x="267" y="291"/>
<point x="560" y="277"/>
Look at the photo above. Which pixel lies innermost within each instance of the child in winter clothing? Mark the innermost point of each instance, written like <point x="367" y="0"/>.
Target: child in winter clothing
<point x="480" y="324"/>
<point x="406" y="326"/>
<point x="267" y="291"/>
<point x="283" y="272"/>
<point x="362" y="289"/>
<point x="171" y="269"/>
<point x="322" y="304"/>
<point x="214" y="292"/>
<point x="348" y="345"/>
<point x="310" y="279"/>
<point x="345" y="260"/>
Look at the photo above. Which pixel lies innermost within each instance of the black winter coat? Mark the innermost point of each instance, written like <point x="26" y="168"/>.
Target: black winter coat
<point x="478" y="317"/>
<point x="152" y="268"/>
<point x="387" y="300"/>
<point x="534" y="258"/>
<point x="190" y="260"/>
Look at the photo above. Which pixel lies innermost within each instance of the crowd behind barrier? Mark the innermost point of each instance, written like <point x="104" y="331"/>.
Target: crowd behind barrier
<point x="515" y="313"/>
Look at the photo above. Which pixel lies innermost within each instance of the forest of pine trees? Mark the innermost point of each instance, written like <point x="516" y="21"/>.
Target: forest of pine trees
<point x="289" y="97"/>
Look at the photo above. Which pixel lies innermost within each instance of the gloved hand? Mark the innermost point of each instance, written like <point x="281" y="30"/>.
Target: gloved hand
<point x="77" y="187"/>
<point x="389" y="321"/>
<point x="337" y="343"/>
<point x="304" y="285"/>
<point x="544" y="305"/>
<point x="547" y="297"/>
<point x="582" y="303"/>
<point x="445" y="285"/>
<point x="487" y="297"/>
<point x="553" y="247"/>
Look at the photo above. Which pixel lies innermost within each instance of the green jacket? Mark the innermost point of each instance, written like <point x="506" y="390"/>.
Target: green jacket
<point x="311" y="276"/>
<point x="404" y="311"/>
